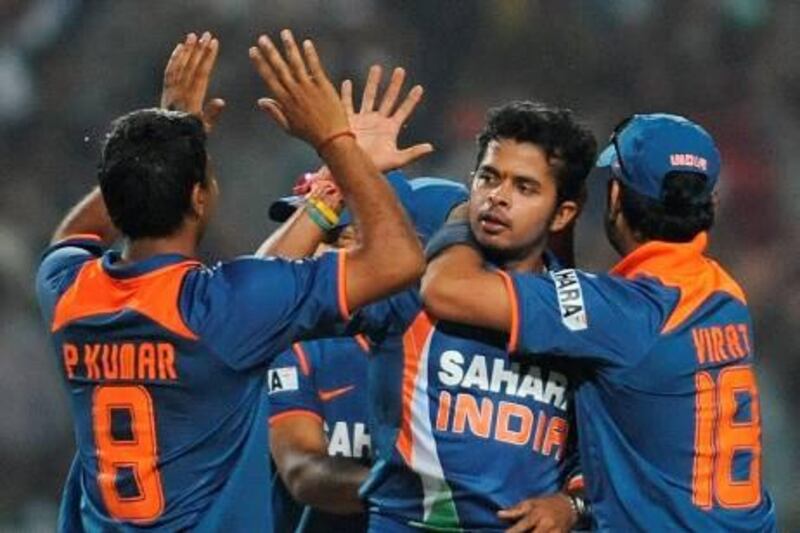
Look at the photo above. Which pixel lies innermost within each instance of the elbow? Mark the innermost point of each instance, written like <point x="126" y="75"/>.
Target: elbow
<point x="403" y="269"/>
<point x="437" y="297"/>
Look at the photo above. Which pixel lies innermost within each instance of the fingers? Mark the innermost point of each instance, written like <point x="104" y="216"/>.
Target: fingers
<point x="273" y="109"/>
<point x="371" y="89"/>
<point x="513" y="513"/>
<point x="172" y="70"/>
<point x="264" y="69"/>
<point x="392" y="92"/>
<point x="347" y="97"/>
<point x="409" y="155"/>
<point x="198" y="52"/>
<point x="293" y="56"/>
<point x="276" y="63"/>
<point x="315" y="67"/>
<point x="409" y="104"/>
<point x="203" y="74"/>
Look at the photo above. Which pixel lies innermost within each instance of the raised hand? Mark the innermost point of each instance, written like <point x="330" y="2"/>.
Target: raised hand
<point x="186" y="79"/>
<point x="305" y="104"/>
<point x="377" y="129"/>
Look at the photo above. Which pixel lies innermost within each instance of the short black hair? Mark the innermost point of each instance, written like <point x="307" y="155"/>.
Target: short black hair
<point x="151" y="160"/>
<point x="686" y="208"/>
<point x="570" y="147"/>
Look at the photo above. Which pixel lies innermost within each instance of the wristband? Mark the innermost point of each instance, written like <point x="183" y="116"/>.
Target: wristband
<point x="450" y="235"/>
<point x="332" y="138"/>
<point x="318" y="218"/>
<point x="582" y="511"/>
<point x="330" y="215"/>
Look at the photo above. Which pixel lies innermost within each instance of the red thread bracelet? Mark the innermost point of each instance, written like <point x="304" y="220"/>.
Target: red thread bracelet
<point x="333" y="137"/>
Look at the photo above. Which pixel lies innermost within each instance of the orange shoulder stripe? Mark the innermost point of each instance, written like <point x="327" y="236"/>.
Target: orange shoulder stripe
<point x="341" y="282"/>
<point x="302" y="358"/>
<point x="413" y="343"/>
<point x="280" y="417"/>
<point x="154" y="295"/>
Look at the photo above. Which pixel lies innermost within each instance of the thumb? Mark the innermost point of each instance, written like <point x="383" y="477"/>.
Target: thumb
<point x="211" y="112"/>
<point x="274" y="110"/>
<point x="409" y="155"/>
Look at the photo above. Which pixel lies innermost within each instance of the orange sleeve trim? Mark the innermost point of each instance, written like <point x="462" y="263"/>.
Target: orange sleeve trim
<point x="80" y="237"/>
<point x="575" y="484"/>
<point x="513" y="332"/>
<point x="302" y="358"/>
<point x="280" y="417"/>
<point x="362" y="342"/>
<point x="341" y="282"/>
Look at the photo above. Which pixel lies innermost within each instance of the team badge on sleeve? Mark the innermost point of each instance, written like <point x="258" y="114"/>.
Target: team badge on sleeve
<point x="570" y="299"/>
<point x="282" y="379"/>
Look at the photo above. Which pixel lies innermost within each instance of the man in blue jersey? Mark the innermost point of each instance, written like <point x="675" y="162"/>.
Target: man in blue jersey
<point x="163" y="357"/>
<point x="668" y="408"/>
<point x="318" y="390"/>
<point x="459" y="428"/>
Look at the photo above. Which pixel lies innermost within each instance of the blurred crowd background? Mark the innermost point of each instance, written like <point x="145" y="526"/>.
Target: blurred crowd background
<point x="68" y="67"/>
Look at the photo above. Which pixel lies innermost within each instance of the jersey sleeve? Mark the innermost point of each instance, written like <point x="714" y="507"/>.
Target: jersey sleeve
<point x="603" y="318"/>
<point x="386" y="317"/>
<point x="290" y="386"/>
<point x="250" y="309"/>
<point x="59" y="266"/>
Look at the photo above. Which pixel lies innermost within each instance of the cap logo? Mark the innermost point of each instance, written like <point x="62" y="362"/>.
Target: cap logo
<point x="689" y="160"/>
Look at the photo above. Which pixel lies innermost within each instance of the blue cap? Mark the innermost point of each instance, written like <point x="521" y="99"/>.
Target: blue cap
<point x="645" y="148"/>
<point x="427" y="201"/>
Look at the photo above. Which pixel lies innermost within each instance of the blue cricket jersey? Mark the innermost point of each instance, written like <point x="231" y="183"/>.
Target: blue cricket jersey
<point x="462" y="427"/>
<point x="164" y="362"/>
<point x="667" y="406"/>
<point x="326" y="380"/>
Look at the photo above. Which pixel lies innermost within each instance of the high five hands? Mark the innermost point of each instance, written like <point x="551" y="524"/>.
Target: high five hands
<point x="304" y="102"/>
<point x="186" y="79"/>
<point x="377" y="129"/>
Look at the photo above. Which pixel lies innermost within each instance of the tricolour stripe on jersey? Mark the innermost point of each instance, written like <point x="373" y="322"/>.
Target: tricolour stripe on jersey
<point x="416" y="442"/>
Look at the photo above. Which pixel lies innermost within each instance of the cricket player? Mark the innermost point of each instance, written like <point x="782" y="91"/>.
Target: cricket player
<point x="667" y="407"/>
<point x="164" y="358"/>
<point x="462" y="429"/>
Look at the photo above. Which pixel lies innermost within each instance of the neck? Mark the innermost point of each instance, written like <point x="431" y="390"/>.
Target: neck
<point x="141" y="249"/>
<point x="531" y="262"/>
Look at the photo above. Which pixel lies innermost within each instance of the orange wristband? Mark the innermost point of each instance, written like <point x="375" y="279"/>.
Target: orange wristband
<point x="333" y="137"/>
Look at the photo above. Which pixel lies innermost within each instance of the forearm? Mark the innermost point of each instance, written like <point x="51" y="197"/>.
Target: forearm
<point x="296" y="238"/>
<point x="327" y="483"/>
<point x="89" y="216"/>
<point x="370" y="198"/>
<point x="457" y="287"/>
<point x="389" y="256"/>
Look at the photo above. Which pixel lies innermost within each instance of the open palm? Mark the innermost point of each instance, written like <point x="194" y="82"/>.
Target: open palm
<point x="377" y="130"/>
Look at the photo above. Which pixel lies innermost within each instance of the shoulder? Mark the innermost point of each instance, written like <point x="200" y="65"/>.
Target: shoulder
<point x="60" y="264"/>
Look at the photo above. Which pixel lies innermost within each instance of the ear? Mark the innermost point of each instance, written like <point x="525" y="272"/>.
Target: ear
<point x="566" y="213"/>
<point x="200" y="199"/>
<point x="614" y="203"/>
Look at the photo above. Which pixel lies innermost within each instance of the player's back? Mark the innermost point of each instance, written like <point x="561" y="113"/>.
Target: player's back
<point x="671" y="432"/>
<point x="170" y="427"/>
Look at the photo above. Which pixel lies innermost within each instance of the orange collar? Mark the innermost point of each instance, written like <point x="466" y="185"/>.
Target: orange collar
<point x="682" y="266"/>
<point x="664" y="259"/>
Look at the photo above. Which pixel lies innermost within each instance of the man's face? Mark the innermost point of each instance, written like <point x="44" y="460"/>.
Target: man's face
<point x="512" y="204"/>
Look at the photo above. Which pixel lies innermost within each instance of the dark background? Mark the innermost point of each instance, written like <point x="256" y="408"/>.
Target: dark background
<point x="67" y="67"/>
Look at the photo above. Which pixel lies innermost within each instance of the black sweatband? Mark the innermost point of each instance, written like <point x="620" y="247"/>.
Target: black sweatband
<point x="450" y="235"/>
